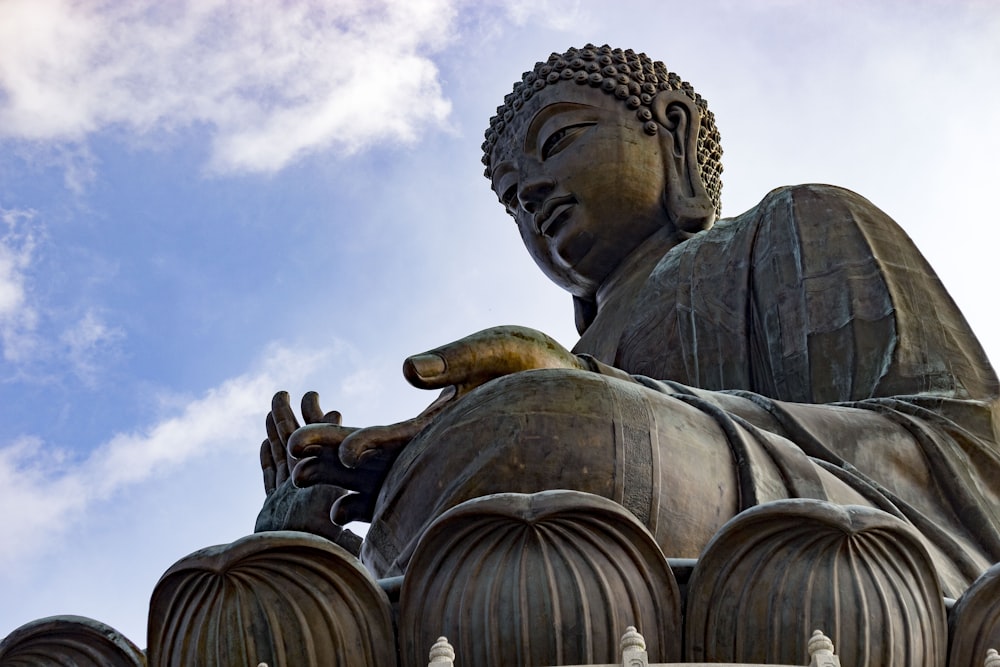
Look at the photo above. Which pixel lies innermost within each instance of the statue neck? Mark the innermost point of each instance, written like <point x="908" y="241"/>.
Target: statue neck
<point x="617" y="294"/>
<point x="633" y="271"/>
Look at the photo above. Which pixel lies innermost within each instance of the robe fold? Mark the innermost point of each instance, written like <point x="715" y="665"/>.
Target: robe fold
<point x="807" y="339"/>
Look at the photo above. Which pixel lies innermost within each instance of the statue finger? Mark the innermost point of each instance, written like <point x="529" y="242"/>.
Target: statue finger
<point x="311" y="412"/>
<point x="278" y="452"/>
<point x="317" y="448"/>
<point x="486" y="355"/>
<point x="284" y="419"/>
<point x="373" y="441"/>
<point x="428" y="370"/>
<point x="312" y="439"/>
<point x="267" y="466"/>
<point x="353" y="507"/>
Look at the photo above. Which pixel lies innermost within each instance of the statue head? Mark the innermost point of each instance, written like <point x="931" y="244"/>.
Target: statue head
<point x="593" y="152"/>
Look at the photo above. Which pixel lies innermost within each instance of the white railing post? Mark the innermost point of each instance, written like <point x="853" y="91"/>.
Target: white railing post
<point x="821" y="651"/>
<point x="442" y="654"/>
<point x="633" y="648"/>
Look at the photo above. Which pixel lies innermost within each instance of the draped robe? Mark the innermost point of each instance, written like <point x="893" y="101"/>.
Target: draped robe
<point x="813" y="345"/>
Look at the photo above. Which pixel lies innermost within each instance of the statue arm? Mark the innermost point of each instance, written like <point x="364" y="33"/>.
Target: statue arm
<point x="307" y="469"/>
<point x="458" y="368"/>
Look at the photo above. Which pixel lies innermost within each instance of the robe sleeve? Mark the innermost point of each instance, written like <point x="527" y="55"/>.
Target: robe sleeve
<point x="814" y="296"/>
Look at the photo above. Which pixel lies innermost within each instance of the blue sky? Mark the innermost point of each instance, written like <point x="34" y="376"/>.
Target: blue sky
<point x="204" y="202"/>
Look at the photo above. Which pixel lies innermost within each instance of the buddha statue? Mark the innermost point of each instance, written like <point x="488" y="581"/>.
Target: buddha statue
<point x="803" y="349"/>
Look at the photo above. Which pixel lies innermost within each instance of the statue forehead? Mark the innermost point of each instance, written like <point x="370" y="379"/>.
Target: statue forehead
<point x="631" y="78"/>
<point x="510" y="142"/>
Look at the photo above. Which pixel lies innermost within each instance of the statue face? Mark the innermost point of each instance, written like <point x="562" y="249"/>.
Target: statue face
<point x="583" y="181"/>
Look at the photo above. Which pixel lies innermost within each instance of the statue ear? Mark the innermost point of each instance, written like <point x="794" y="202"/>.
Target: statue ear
<point x="690" y="207"/>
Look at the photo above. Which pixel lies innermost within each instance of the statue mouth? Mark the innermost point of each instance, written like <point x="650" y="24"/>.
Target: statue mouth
<point x="554" y="213"/>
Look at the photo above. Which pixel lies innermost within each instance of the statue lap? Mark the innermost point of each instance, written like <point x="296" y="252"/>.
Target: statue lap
<point x="662" y="457"/>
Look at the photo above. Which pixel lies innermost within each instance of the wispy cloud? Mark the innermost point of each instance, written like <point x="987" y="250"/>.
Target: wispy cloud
<point x="86" y="344"/>
<point x="26" y="481"/>
<point x="17" y="316"/>
<point x="559" y="15"/>
<point x="271" y="81"/>
<point x="59" y="488"/>
<point x="35" y="336"/>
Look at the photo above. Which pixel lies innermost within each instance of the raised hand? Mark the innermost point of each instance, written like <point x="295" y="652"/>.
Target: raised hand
<point x="280" y="424"/>
<point x="323" y="452"/>
<point x="308" y="458"/>
<point x="288" y="507"/>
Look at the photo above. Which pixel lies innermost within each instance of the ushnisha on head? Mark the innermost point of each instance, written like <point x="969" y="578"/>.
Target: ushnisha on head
<point x="631" y="78"/>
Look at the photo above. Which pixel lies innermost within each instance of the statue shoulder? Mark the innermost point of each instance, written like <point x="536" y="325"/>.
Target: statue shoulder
<point x="836" y="221"/>
<point x="817" y="198"/>
<point x="823" y="225"/>
<point x="812" y="208"/>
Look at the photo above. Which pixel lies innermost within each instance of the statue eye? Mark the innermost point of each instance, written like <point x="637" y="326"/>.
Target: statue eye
<point x="562" y="138"/>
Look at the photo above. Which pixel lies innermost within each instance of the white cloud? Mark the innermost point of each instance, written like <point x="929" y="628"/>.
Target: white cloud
<point x="16" y="246"/>
<point x="35" y="500"/>
<point x="272" y="81"/>
<point x="24" y="337"/>
<point x="86" y="341"/>
<point x="17" y="316"/>
<point x="559" y="15"/>
<point x="57" y="489"/>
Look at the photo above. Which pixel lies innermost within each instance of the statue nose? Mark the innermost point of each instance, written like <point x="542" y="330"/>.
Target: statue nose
<point x="533" y="192"/>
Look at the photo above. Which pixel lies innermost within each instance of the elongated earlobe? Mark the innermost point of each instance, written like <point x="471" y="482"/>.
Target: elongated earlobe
<point x="686" y="198"/>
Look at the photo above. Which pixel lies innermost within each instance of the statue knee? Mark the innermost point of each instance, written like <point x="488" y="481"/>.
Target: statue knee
<point x="522" y="433"/>
<point x="514" y="429"/>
